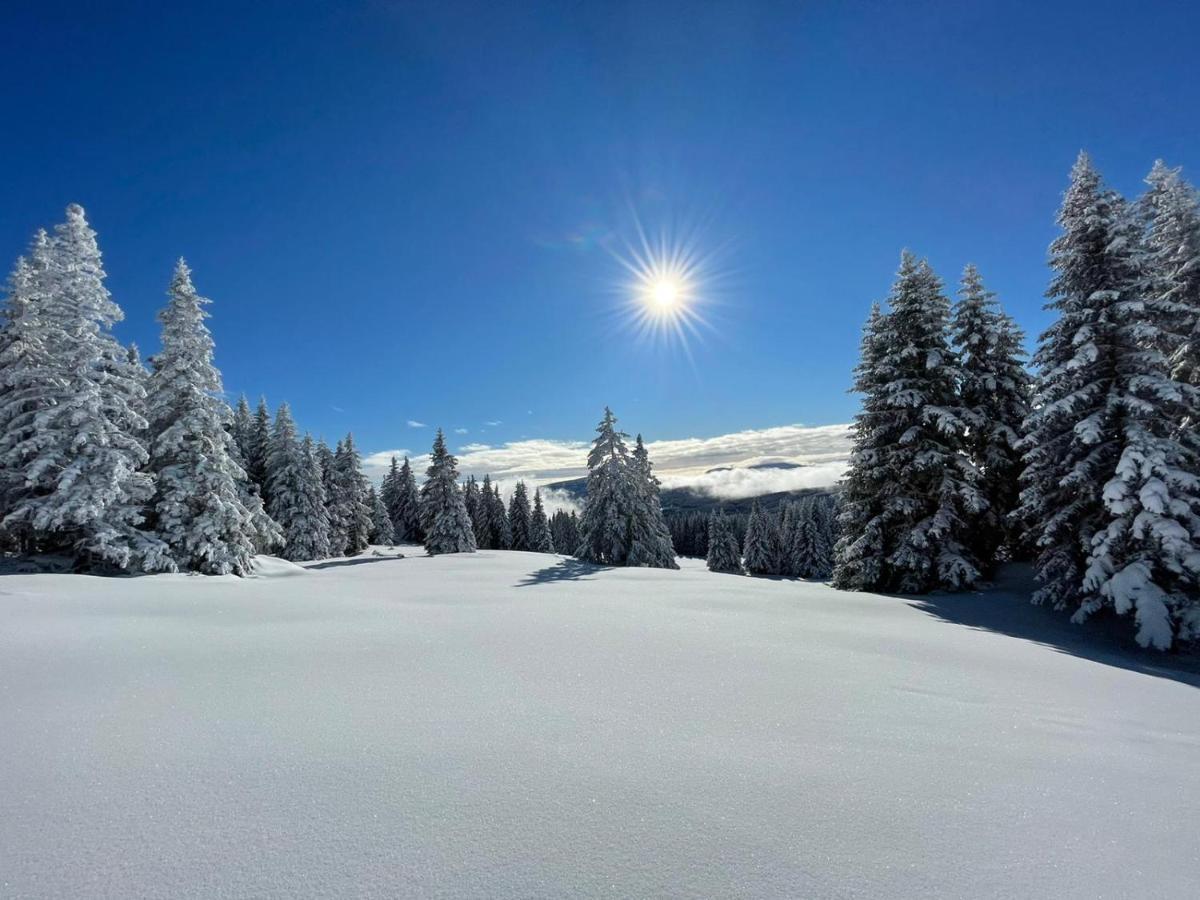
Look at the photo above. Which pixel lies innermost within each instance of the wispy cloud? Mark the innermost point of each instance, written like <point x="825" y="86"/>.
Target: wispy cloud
<point x="820" y="452"/>
<point x="462" y="431"/>
<point x="493" y="424"/>
<point x="413" y="423"/>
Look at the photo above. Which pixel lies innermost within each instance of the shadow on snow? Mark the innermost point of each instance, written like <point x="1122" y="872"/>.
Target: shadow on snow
<point x="566" y="569"/>
<point x="1105" y="638"/>
<point x="354" y="561"/>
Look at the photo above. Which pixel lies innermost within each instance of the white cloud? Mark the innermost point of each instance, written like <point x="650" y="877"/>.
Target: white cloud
<point x="413" y="423"/>
<point x="821" y="452"/>
<point x="739" y="482"/>
<point x="462" y="431"/>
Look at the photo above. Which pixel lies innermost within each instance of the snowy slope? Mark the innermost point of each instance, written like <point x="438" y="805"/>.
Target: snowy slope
<point x="516" y="725"/>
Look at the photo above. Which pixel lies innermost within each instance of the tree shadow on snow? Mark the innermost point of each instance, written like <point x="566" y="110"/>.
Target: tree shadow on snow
<point x="1106" y="639"/>
<point x="355" y="561"/>
<point x="566" y="569"/>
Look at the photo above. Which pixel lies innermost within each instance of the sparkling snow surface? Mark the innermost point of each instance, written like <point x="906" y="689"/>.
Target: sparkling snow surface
<point x="516" y="725"/>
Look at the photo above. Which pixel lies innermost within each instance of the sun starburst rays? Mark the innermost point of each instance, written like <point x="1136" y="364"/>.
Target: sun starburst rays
<point x="665" y="290"/>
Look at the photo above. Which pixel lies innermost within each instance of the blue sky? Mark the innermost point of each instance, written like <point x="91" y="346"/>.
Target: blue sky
<point x="406" y="211"/>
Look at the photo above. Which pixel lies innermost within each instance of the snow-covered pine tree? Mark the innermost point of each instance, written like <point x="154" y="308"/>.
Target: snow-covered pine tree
<point x="133" y="367"/>
<point x="540" y="538"/>
<point x="499" y="529"/>
<point x="790" y="532"/>
<point x="297" y="493"/>
<point x="258" y="450"/>
<point x="381" y="522"/>
<point x="994" y="391"/>
<point x="475" y="511"/>
<point x="83" y="490"/>
<point x="564" y="530"/>
<point x="913" y="438"/>
<point x="519" y="518"/>
<point x="24" y="360"/>
<point x="198" y="506"/>
<point x="315" y="508"/>
<point x="814" y="541"/>
<point x="760" y="552"/>
<point x="447" y="525"/>
<point x="354" y="511"/>
<point x="335" y="505"/>
<point x="241" y="429"/>
<point x="1171" y="209"/>
<point x="1146" y="557"/>
<point x="604" y="525"/>
<point x="860" y="557"/>
<point x="1109" y="484"/>
<point x="482" y="523"/>
<point x="405" y="510"/>
<point x="724" y="553"/>
<point x="649" y="538"/>
<point x="389" y="492"/>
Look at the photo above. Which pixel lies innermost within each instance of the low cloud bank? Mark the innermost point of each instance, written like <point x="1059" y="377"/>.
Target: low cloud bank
<point x="819" y="452"/>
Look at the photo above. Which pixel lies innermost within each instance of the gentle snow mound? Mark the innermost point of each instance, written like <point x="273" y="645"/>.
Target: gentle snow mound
<point x="274" y="567"/>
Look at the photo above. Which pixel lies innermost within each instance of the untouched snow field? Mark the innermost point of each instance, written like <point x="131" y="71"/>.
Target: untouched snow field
<point x="517" y="725"/>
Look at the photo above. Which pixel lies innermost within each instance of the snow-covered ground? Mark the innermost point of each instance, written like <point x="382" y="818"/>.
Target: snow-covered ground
<point x="516" y="725"/>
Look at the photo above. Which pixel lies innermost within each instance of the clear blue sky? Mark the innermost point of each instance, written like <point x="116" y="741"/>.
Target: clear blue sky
<point x="397" y="208"/>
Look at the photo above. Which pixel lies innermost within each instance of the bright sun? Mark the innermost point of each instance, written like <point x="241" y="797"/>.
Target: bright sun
<point x="665" y="293"/>
<point x="668" y="288"/>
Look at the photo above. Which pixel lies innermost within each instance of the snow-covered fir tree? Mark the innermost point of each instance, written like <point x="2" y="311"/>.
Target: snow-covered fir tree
<point x="564" y="531"/>
<point x="404" y="506"/>
<point x="519" y="518"/>
<point x="198" y="506"/>
<point x="339" y="528"/>
<point x="71" y="420"/>
<point x="484" y="539"/>
<point x="649" y="538"/>
<point x="353" y="510"/>
<point x="297" y="492"/>
<point x="1111" y="485"/>
<point x="472" y="500"/>
<point x="443" y="513"/>
<point x="499" y="530"/>
<point x="724" y="552"/>
<point x="540" y="538"/>
<point x="258" y="449"/>
<point x="789" y="537"/>
<point x="23" y="361"/>
<point x="761" y="550"/>
<point x="994" y="391"/>
<point x="860" y="555"/>
<point x="1171" y="209"/>
<point x="135" y="369"/>
<point x="389" y="490"/>
<point x="241" y="429"/>
<point x="917" y="501"/>
<point x="604" y="525"/>
<point x="1129" y="466"/>
<point x="811" y="549"/>
<point x="381" y="521"/>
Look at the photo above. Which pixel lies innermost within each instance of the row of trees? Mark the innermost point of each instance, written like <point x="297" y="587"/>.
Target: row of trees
<point x="796" y="541"/>
<point x="101" y="459"/>
<point x="114" y="464"/>
<point x="148" y="470"/>
<point x="1092" y="466"/>
<point x="319" y="497"/>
